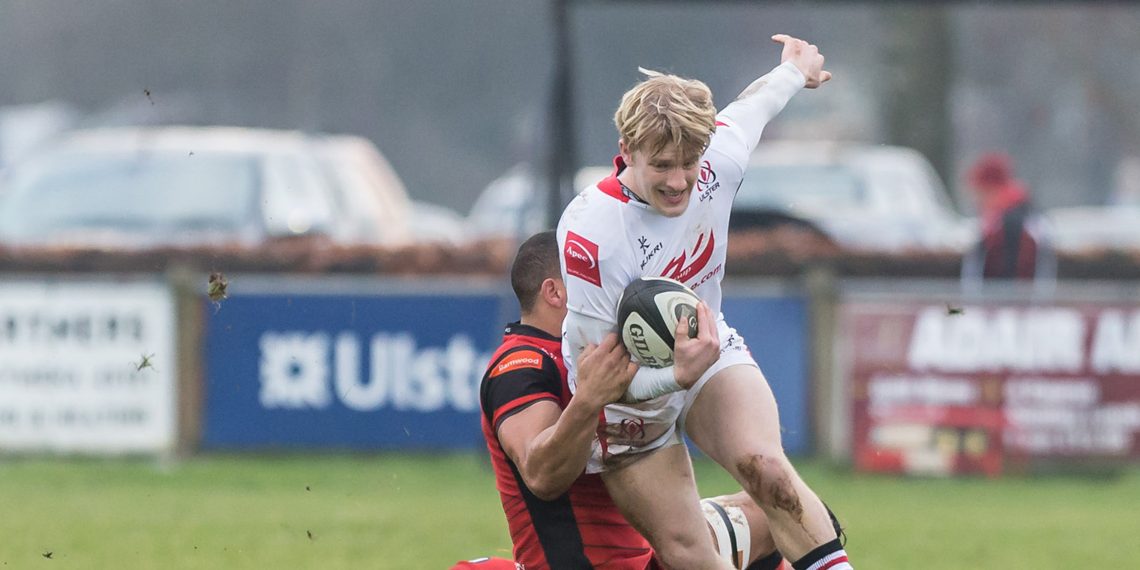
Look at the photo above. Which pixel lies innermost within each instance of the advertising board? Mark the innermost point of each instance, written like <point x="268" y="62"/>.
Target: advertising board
<point x="354" y="371"/>
<point x="982" y="388"/>
<point x="290" y="368"/>
<point x="87" y="366"/>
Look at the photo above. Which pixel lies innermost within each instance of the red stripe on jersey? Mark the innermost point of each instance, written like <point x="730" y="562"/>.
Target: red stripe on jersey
<point x="619" y="165"/>
<point x="611" y="186"/>
<point x="721" y="124"/>
<point x="677" y="269"/>
<point x="834" y="562"/>
<point x="518" y="361"/>
<point x="516" y="404"/>
<point x="486" y="564"/>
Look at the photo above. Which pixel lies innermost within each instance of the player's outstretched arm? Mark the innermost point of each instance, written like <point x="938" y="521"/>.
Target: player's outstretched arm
<point x="801" y="65"/>
<point x="551" y="446"/>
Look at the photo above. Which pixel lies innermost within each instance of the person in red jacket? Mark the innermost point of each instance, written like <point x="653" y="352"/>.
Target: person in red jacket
<point x="1013" y="243"/>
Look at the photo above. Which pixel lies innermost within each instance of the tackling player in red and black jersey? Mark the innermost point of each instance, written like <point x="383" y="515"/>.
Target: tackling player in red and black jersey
<point x="540" y="438"/>
<point x="575" y="528"/>
<point x="557" y="517"/>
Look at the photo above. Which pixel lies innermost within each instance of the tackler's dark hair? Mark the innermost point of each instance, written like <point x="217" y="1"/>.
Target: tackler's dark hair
<point x="535" y="262"/>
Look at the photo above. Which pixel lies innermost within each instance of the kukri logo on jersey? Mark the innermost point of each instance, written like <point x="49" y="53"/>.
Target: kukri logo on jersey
<point x="647" y="252"/>
<point x="701" y="254"/>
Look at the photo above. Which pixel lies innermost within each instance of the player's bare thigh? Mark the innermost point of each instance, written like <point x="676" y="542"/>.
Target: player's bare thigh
<point x="735" y="415"/>
<point x="658" y="495"/>
<point x="734" y="420"/>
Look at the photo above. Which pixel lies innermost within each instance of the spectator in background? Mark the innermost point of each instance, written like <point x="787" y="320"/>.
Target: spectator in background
<point x="1126" y="183"/>
<point x="1013" y="243"/>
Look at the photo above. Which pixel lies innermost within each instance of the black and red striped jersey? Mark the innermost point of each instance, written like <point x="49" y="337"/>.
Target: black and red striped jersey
<point x="580" y="529"/>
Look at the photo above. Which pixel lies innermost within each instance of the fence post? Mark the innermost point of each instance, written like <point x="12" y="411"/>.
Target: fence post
<point x="825" y="393"/>
<point x="188" y="287"/>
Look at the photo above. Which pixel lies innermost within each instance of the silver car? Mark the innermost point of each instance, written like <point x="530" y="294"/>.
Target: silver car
<point x="877" y="198"/>
<point x="138" y="188"/>
<point x="865" y="197"/>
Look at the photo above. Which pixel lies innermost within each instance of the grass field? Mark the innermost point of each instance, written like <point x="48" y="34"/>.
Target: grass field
<point x="426" y="512"/>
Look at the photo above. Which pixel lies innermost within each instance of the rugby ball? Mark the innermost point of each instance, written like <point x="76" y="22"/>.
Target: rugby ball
<point x="648" y="313"/>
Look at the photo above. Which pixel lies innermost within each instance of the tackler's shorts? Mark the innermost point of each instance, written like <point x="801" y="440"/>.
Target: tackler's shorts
<point x="629" y="431"/>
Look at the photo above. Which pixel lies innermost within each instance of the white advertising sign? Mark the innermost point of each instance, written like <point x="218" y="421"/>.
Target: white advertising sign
<point x="87" y="367"/>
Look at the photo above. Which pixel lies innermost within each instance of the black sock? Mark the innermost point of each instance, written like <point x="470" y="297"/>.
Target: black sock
<point x="819" y="553"/>
<point x="770" y="562"/>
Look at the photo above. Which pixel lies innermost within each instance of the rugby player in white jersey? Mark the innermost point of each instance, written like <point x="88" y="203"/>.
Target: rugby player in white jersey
<point x="665" y="211"/>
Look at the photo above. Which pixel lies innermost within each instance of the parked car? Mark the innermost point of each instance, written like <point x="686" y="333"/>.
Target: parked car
<point x="375" y="204"/>
<point x="514" y="204"/>
<point x="1079" y="229"/>
<point x="865" y="197"/>
<point x="433" y="223"/>
<point x="145" y="187"/>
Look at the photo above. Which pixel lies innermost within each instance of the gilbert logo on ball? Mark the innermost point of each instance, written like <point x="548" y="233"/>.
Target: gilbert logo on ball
<point x="648" y="313"/>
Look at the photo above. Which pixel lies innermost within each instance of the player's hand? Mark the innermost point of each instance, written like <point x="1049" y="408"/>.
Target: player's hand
<point x="805" y="57"/>
<point x="604" y="372"/>
<point x="693" y="356"/>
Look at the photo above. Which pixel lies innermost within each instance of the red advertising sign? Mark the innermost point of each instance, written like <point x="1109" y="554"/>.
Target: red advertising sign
<point x="977" y="389"/>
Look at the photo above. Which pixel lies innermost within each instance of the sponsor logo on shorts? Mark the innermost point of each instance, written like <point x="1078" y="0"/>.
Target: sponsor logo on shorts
<point x="632" y="428"/>
<point x="733" y="343"/>
<point x="623" y="441"/>
<point x="582" y="259"/>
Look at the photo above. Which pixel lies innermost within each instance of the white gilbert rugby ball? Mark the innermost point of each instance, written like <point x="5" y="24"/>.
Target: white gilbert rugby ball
<point x="648" y="313"/>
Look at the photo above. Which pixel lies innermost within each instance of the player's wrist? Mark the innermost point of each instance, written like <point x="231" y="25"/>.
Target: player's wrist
<point x="793" y="72"/>
<point x="586" y="402"/>
<point x="687" y="376"/>
<point x="650" y="383"/>
<point x="683" y="377"/>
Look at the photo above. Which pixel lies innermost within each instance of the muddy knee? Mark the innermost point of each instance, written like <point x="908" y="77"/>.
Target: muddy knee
<point x="770" y="480"/>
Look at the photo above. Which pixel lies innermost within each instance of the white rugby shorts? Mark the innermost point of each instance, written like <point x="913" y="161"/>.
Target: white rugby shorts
<point x="629" y="431"/>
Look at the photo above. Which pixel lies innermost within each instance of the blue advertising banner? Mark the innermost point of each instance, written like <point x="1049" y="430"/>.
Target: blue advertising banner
<point x="342" y="369"/>
<point x="776" y="331"/>
<point x="348" y="371"/>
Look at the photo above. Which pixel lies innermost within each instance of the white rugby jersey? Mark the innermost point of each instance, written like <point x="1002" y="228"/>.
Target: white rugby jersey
<point x="607" y="239"/>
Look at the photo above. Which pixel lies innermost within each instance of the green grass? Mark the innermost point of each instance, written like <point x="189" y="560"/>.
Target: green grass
<point x="413" y="512"/>
<point x="1011" y="523"/>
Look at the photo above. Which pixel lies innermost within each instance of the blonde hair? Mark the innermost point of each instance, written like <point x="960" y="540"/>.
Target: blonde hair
<point x="666" y="110"/>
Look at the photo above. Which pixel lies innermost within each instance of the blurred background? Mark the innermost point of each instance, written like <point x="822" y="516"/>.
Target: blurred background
<point x="271" y="235"/>
<point x="455" y="93"/>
